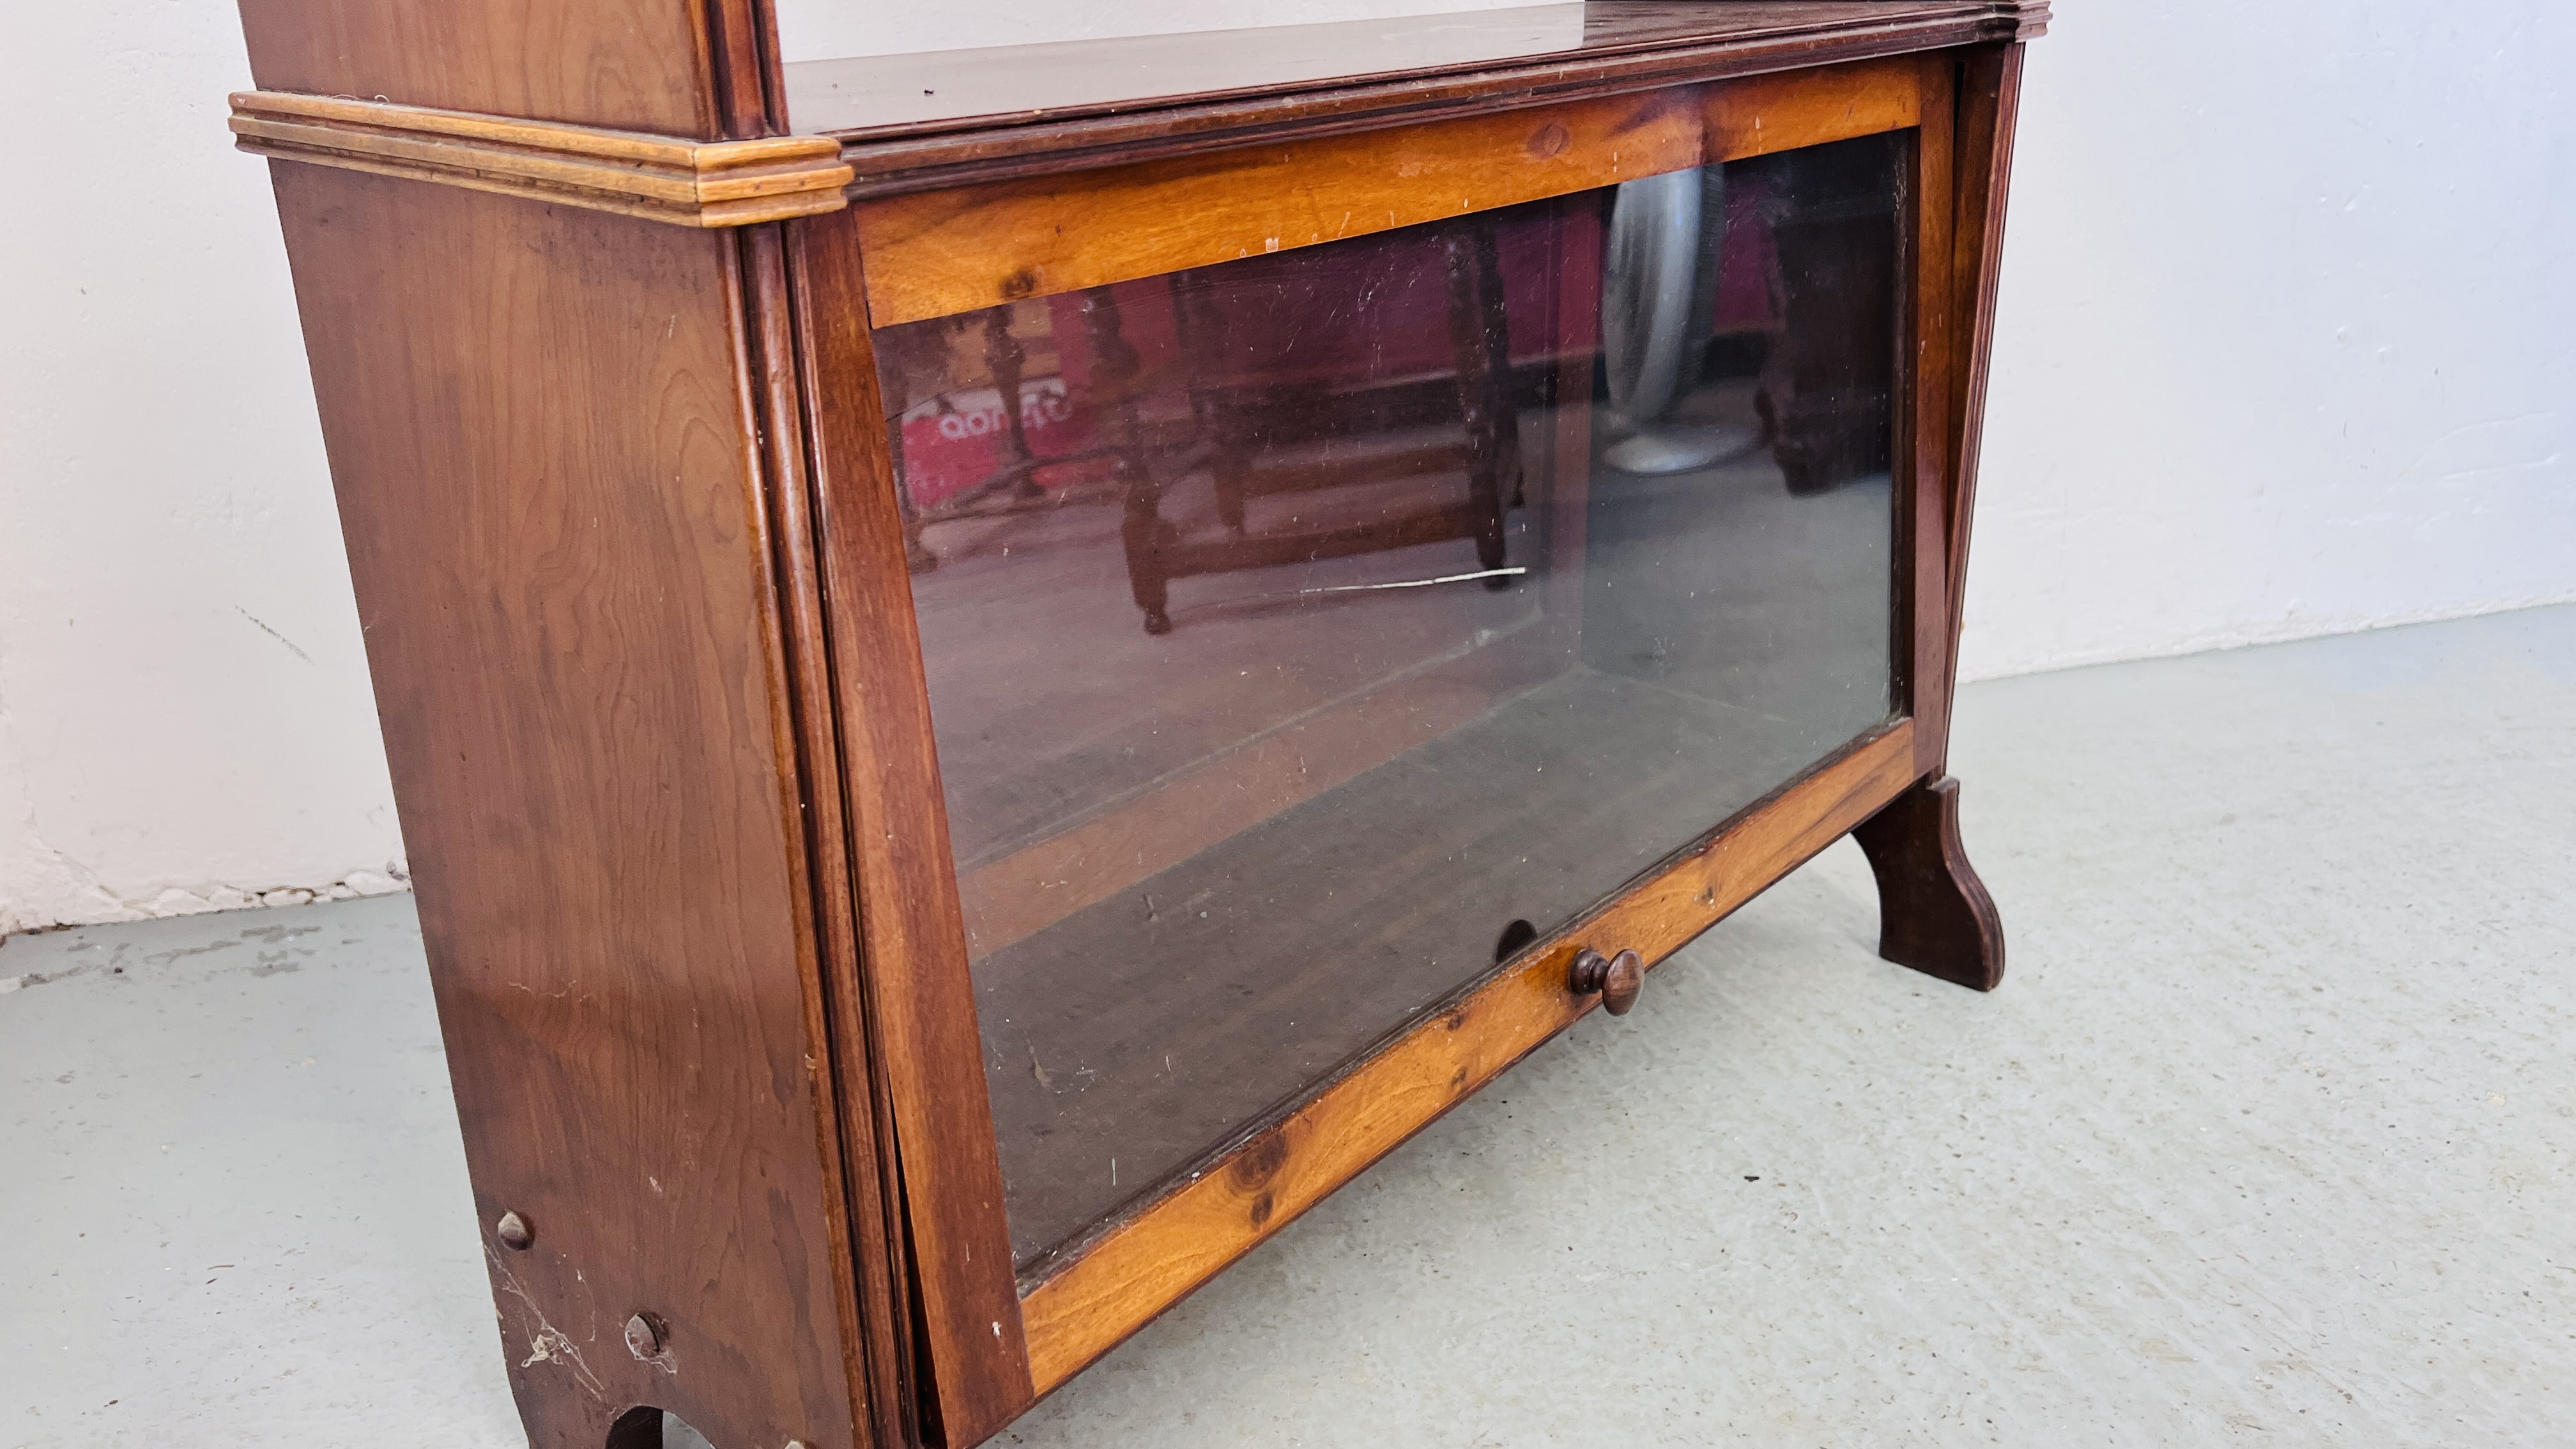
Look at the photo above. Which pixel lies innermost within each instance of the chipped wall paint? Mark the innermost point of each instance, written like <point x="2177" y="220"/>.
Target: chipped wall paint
<point x="2283" y="351"/>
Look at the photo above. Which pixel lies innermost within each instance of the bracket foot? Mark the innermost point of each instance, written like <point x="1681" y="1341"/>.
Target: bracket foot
<point x="1934" y="914"/>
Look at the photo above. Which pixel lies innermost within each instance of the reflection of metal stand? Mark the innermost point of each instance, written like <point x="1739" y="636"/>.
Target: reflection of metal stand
<point x="1657" y="283"/>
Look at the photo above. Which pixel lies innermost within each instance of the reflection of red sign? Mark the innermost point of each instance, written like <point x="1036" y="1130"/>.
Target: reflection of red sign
<point x="1370" y="313"/>
<point x="954" y="442"/>
<point x="1365" y="312"/>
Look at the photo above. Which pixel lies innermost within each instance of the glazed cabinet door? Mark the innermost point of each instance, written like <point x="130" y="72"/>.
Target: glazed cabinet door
<point x="1334" y="648"/>
<point x="1308" y="634"/>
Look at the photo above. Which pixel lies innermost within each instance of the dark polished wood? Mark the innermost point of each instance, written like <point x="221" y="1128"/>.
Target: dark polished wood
<point x="877" y="1328"/>
<point x="542" y="60"/>
<point x="688" y="183"/>
<point x="1927" y="369"/>
<point x="921" y="999"/>
<point x="571" y="634"/>
<point x="1934" y="913"/>
<point x="1989" y="101"/>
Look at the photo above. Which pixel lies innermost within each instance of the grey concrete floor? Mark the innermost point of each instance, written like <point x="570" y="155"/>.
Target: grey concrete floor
<point x="2266" y="1139"/>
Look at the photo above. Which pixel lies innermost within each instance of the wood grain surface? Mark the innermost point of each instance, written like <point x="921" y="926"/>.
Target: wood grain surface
<point x="689" y="183"/>
<point x="935" y="253"/>
<point x="1924" y="418"/>
<point x="1989" y="101"/>
<point x="538" y="431"/>
<point x="857" y="1142"/>
<point x="1156" y="1259"/>
<point x="648" y="65"/>
<point x="920" y="996"/>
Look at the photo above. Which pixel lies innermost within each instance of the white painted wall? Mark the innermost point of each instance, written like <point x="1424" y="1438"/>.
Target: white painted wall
<point x="2288" y="345"/>
<point x="2287" y="338"/>
<point x="184" y="712"/>
<point x="822" y="29"/>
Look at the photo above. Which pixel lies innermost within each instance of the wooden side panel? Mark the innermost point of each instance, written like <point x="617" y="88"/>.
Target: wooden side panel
<point x="938" y="252"/>
<point x="538" y="427"/>
<point x="858" y="1135"/>
<point x="1158" y="1258"/>
<point x="1989" y="99"/>
<point x="1925" y="419"/>
<point x="645" y="66"/>
<point x="921" y="998"/>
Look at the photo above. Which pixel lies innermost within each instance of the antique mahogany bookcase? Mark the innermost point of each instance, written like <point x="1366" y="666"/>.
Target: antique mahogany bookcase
<point x="1002" y="668"/>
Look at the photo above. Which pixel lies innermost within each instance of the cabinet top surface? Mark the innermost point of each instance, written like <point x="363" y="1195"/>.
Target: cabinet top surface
<point x="1357" y="66"/>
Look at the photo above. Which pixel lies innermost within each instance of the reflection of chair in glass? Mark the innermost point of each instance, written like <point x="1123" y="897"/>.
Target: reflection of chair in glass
<point x="926" y="360"/>
<point x="1279" y="425"/>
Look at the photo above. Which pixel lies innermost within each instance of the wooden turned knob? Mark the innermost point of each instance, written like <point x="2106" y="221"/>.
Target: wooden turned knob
<point x="1617" y="978"/>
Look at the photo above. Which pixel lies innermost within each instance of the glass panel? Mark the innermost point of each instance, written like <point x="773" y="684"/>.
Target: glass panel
<point x="849" y="69"/>
<point x="1307" y="633"/>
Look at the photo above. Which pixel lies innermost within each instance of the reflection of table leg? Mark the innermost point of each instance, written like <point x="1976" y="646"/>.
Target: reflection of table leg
<point x="1145" y="535"/>
<point x="1254" y="428"/>
<point x="1564" y="483"/>
<point x="917" y="557"/>
<point x="1498" y="350"/>
<point x="1826" y="392"/>
<point x="1115" y="369"/>
<point x="1003" y="357"/>
<point x="1478" y="334"/>
<point x="1202" y="330"/>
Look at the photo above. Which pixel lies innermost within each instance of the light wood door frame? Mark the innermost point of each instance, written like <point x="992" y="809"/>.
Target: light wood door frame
<point x="991" y="1349"/>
